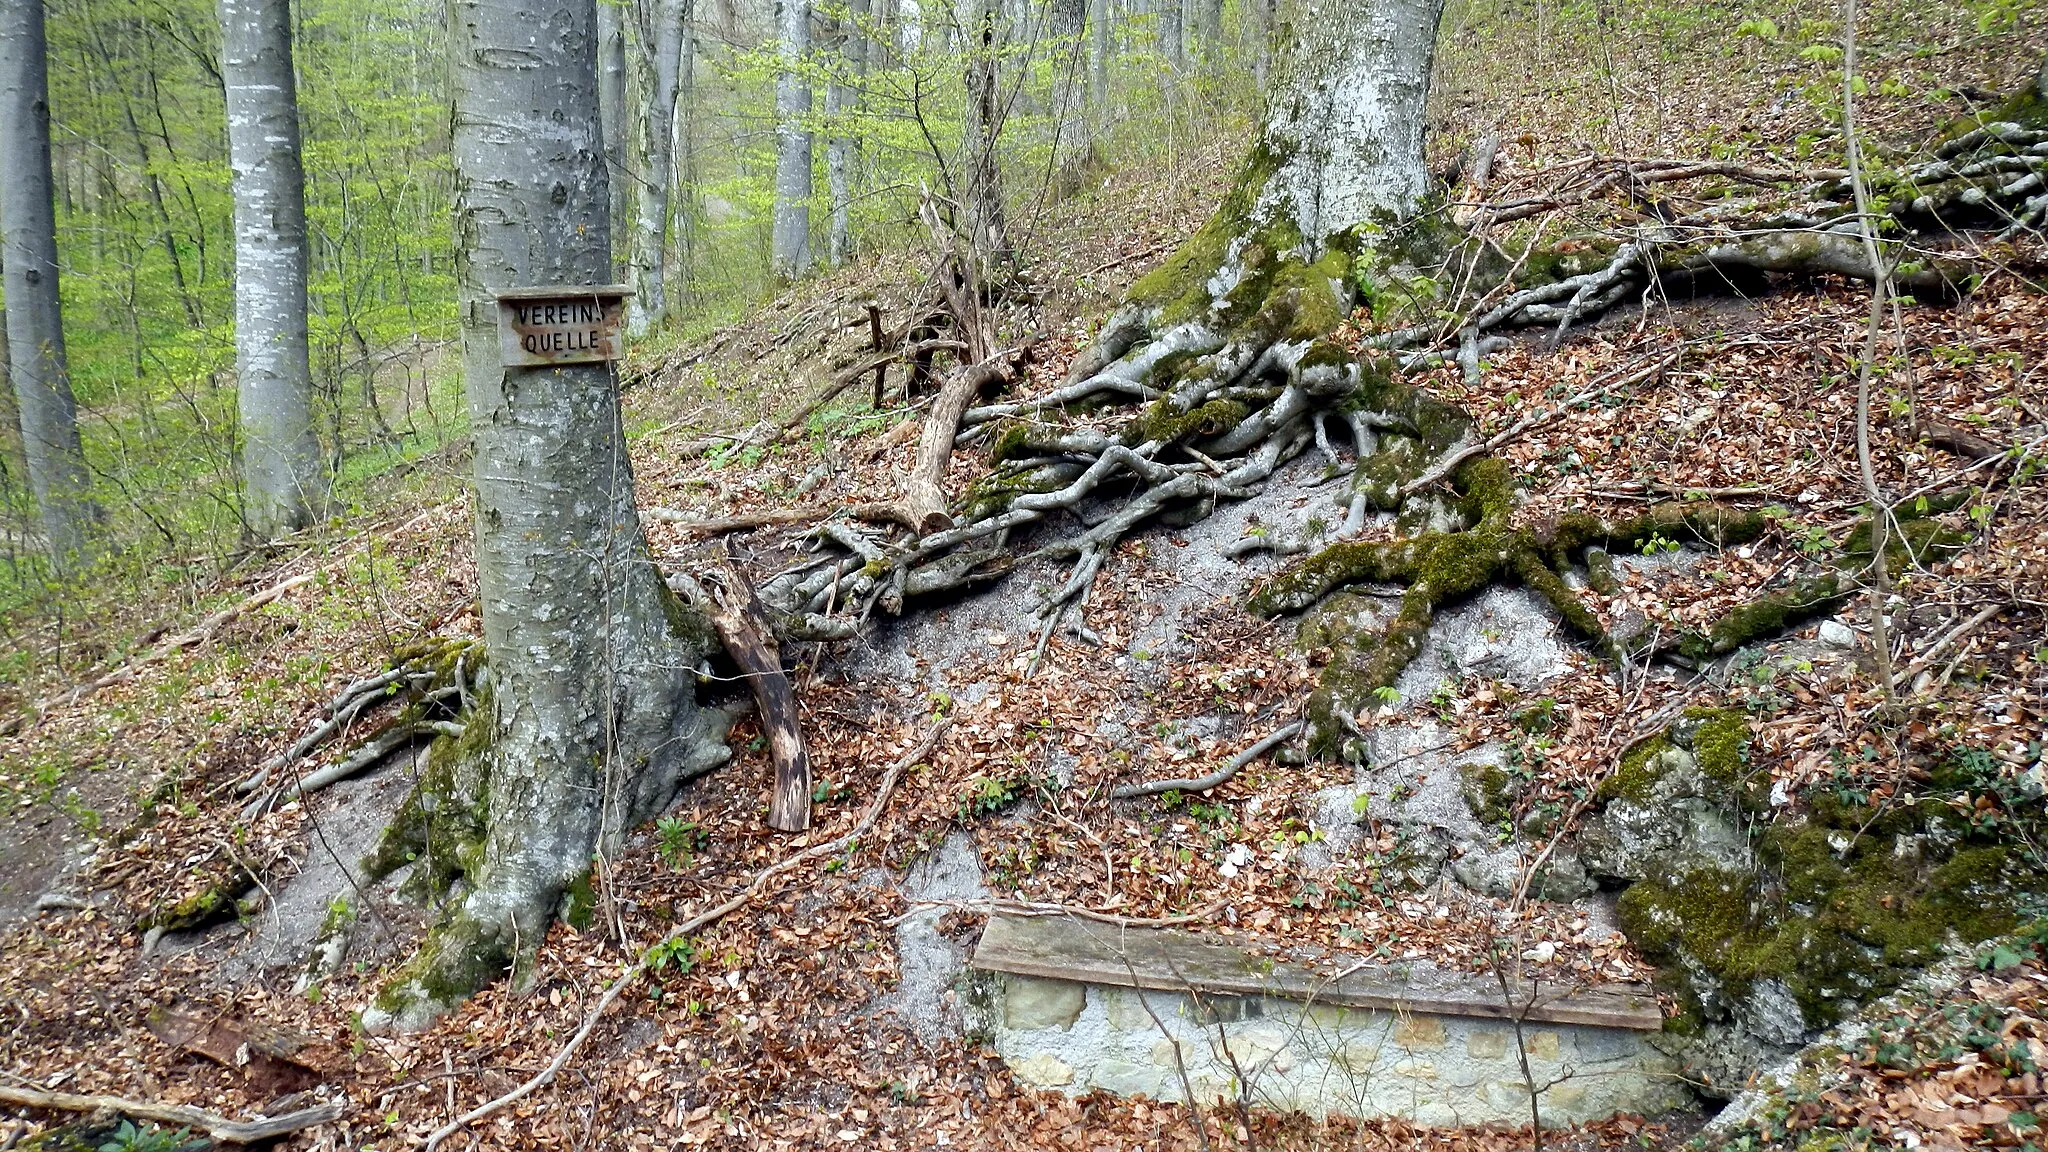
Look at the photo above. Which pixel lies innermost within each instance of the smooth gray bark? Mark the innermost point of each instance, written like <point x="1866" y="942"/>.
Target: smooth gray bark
<point x="35" y="327"/>
<point x="1098" y="54"/>
<point x="1173" y="33"/>
<point x="1345" y="119"/>
<point x="591" y="708"/>
<point x="654" y="192"/>
<point x="790" y="244"/>
<point x="284" y="479"/>
<point x="611" y="97"/>
<point x="842" y="100"/>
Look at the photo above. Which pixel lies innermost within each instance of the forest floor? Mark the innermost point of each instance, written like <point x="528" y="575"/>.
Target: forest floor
<point x="798" y="1022"/>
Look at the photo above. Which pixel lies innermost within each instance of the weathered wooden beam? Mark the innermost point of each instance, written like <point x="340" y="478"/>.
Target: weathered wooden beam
<point x="1175" y="960"/>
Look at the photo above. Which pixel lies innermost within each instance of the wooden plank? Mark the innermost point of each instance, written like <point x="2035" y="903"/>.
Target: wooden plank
<point x="1172" y="960"/>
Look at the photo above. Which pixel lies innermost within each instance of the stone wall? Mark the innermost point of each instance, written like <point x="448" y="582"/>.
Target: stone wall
<point x="1436" y="1069"/>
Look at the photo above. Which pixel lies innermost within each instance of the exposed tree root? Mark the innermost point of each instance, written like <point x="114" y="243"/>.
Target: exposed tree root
<point x="431" y="682"/>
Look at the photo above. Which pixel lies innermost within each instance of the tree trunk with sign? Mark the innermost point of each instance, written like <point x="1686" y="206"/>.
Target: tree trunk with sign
<point x="582" y="717"/>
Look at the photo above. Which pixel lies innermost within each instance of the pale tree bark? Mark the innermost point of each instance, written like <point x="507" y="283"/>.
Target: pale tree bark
<point x="283" y="477"/>
<point x="611" y="97"/>
<point x="1343" y="133"/>
<point x="653" y="199"/>
<point x="1262" y="41"/>
<point x="41" y="374"/>
<point x="842" y="101"/>
<point x="1173" y="33"/>
<point x="587" y="720"/>
<point x="790" y="244"/>
<point x="1099" y="13"/>
<point x="982" y="193"/>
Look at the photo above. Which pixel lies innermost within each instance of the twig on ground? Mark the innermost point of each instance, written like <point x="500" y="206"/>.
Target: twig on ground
<point x="1214" y="779"/>
<point x="219" y="1127"/>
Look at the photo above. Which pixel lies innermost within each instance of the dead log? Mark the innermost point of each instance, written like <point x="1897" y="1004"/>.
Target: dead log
<point x="219" y="1127"/>
<point x="736" y="613"/>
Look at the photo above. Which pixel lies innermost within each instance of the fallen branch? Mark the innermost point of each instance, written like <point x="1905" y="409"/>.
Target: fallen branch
<point x="743" y="626"/>
<point x="1214" y="779"/>
<point x="192" y="637"/>
<point x="719" y="525"/>
<point x="696" y="923"/>
<point x="851" y="374"/>
<point x="219" y="1127"/>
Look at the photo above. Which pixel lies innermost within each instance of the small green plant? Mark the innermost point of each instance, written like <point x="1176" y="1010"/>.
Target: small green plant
<point x="1387" y="695"/>
<point x="1657" y="543"/>
<point x="988" y="795"/>
<point x="680" y="840"/>
<point x="675" y="953"/>
<point x="129" y="1138"/>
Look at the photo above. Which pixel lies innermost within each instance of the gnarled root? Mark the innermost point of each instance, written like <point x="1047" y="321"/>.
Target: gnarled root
<point x="430" y="681"/>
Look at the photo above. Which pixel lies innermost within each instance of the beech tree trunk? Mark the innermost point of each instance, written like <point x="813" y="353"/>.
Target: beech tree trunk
<point x="1098" y="55"/>
<point x="35" y="327"/>
<point x="1343" y="133"/>
<point x="790" y="248"/>
<point x="653" y="199"/>
<point x="842" y="100"/>
<point x="283" y="477"/>
<point x="588" y="721"/>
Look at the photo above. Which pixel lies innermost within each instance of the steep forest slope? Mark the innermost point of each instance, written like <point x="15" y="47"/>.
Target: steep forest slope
<point x="1835" y="888"/>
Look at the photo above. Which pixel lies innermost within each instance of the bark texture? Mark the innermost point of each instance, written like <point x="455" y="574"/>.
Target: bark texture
<point x="611" y="98"/>
<point x="587" y="720"/>
<point x="35" y="328"/>
<point x="790" y="245"/>
<point x="653" y="201"/>
<point x="842" y="102"/>
<point x="283" y="477"/>
<point x="1344" y="127"/>
<point x="982" y="196"/>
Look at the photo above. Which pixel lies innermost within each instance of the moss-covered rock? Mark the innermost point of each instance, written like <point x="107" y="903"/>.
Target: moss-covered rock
<point x="1844" y="900"/>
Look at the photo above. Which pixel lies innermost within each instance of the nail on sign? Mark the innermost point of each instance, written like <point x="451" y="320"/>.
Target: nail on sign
<point x="538" y="327"/>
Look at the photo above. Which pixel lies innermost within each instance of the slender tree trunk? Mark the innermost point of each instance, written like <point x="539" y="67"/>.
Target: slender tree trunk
<point x="35" y="328"/>
<point x="1173" y="33"/>
<point x="790" y="250"/>
<point x="611" y="98"/>
<point x="652" y="199"/>
<point x="983" y="194"/>
<point x="1099" y="13"/>
<point x="842" y="101"/>
<point x="283" y="477"/>
<point x="588" y="722"/>
<point x="1262" y="41"/>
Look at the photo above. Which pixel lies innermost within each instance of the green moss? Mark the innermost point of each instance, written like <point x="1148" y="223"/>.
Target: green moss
<point x="1844" y="904"/>
<point x="1768" y="615"/>
<point x="1179" y="287"/>
<point x="443" y="822"/>
<point x="1490" y="792"/>
<point x="579" y="902"/>
<point x="1161" y="423"/>
<point x="1012" y="443"/>
<point x="1719" y="739"/>
<point x="1641" y="767"/>
<point x="994" y="492"/>
<point x="217" y="901"/>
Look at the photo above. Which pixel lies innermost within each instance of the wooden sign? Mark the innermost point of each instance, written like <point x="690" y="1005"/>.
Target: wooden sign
<point x="538" y="327"/>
